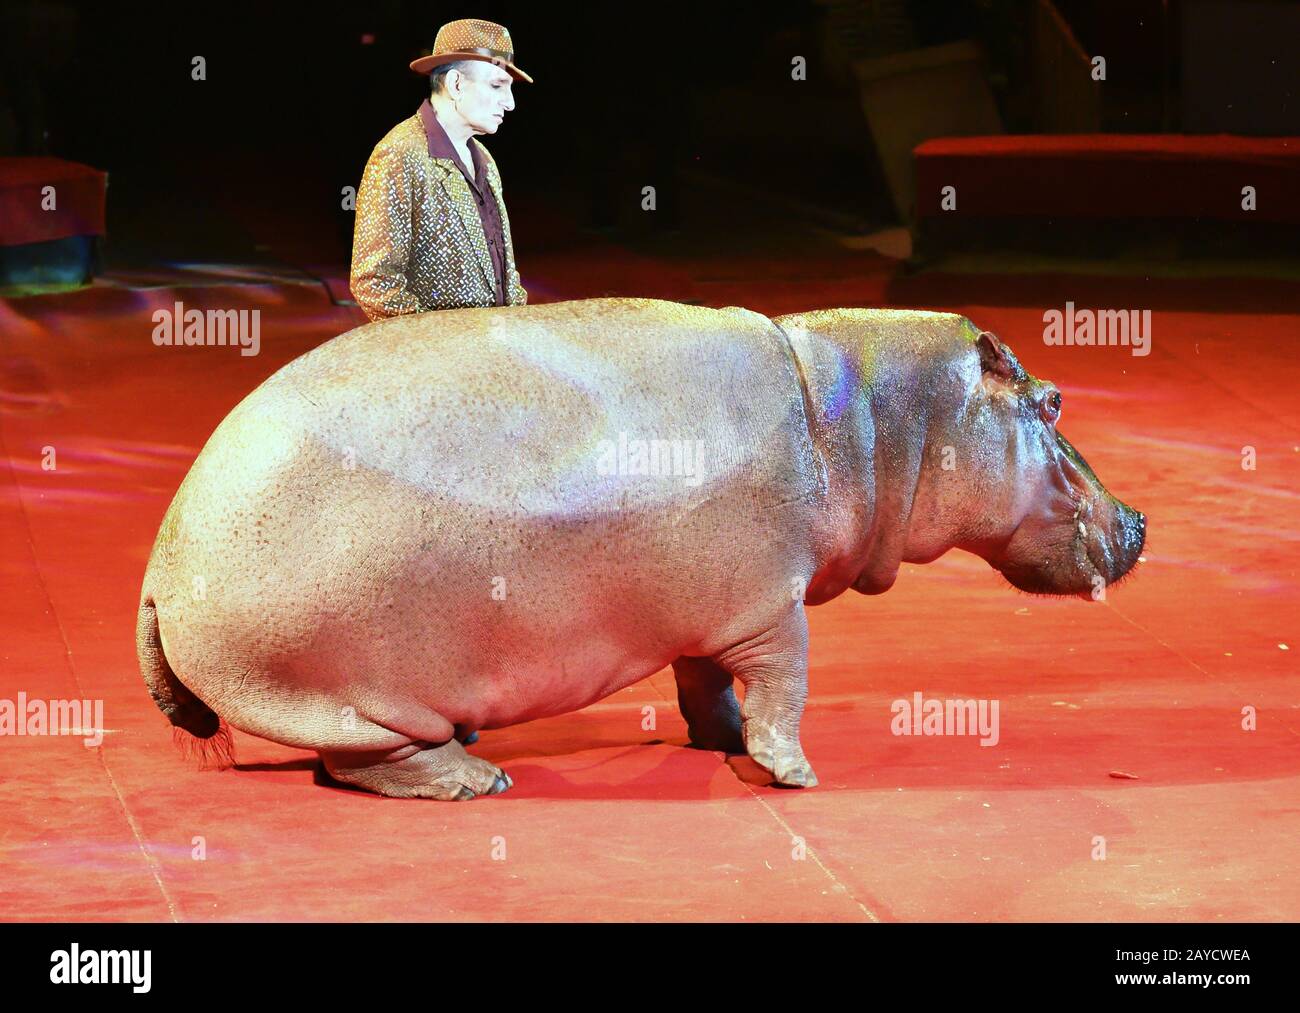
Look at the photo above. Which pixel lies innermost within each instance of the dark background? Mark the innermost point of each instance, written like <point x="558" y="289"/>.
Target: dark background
<point x="297" y="95"/>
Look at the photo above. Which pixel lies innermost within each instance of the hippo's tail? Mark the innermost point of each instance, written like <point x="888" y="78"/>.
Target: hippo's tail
<point x="197" y="729"/>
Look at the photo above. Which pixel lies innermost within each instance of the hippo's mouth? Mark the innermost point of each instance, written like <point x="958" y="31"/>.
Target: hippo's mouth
<point x="1094" y="568"/>
<point x="1079" y="540"/>
<point x="1071" y="556"/>
<point x="1113" y="549"/>
<point x="1093" y="557"/>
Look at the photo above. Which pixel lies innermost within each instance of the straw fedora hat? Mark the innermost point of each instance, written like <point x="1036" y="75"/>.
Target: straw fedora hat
<point x="471" y="39"/>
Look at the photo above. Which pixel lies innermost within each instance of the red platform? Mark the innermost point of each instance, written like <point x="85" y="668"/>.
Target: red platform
<point x="80" y="196"/>
<point x="1116" y="176"/>
<point x="607" y="821"/>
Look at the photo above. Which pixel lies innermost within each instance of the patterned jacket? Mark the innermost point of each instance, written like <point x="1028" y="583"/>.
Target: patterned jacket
<point x="418" y="243"/>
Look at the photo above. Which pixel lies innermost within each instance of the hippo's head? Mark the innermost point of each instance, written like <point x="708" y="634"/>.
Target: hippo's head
<point x="1043" y="519"/>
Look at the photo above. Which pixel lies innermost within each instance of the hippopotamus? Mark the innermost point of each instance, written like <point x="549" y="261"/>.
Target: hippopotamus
<point x="467" y="519"/>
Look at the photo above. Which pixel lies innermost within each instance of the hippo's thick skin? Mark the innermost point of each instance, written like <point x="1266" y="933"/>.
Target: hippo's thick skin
<point x="441" y="523"/>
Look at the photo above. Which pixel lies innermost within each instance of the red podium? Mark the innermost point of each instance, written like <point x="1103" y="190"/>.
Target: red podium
<point x="51" y="218"/>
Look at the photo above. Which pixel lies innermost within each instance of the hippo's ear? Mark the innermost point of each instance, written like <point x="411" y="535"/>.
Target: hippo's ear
<point x="995" y="357"/>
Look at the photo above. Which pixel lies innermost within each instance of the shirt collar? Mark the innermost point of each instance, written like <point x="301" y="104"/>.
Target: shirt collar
<point x="440" y="144"/>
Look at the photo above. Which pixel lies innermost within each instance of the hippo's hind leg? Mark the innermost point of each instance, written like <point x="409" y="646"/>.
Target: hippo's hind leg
<point x="773" y="668"/>
<point x="418" y="770"/>
<point x="707" y="701"/>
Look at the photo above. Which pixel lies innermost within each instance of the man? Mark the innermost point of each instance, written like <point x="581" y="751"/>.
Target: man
<point x="431" y="229"/>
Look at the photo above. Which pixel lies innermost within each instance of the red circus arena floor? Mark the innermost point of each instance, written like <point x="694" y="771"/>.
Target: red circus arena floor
<point x="608" y="821"/>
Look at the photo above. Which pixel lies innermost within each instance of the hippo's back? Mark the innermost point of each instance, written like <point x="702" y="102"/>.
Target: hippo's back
<point x="549" y="409"/>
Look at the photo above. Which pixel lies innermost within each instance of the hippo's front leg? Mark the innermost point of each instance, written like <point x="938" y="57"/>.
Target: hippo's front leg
<point x="773" y="668"/>
<point x="707" y="700"/>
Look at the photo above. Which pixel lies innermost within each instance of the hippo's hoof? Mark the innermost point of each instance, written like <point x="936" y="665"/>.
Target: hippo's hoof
<point x="500" y="780"/>
<point x="792" y="772"/>
<point x="798" y="775"/>
<point x="443" y="772"/>
<point x="784" y="760"/>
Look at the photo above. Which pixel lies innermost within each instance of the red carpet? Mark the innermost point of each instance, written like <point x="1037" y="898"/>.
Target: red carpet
<point x="607" y="821"/>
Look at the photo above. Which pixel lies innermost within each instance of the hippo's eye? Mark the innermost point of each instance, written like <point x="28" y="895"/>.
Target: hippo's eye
<point x="1052" y="407"/>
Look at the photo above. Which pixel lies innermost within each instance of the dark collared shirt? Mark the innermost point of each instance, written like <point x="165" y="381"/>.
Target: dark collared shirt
<point x="440" y="146"/>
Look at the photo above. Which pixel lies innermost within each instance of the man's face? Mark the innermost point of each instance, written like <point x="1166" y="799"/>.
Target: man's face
<point x="483" y="95"/>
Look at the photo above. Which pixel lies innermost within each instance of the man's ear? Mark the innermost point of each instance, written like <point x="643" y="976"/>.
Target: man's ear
<point x="995" y="357"/>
